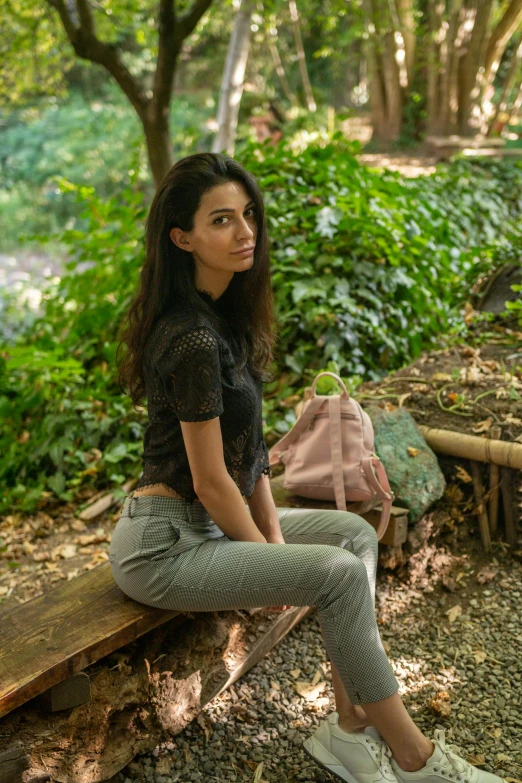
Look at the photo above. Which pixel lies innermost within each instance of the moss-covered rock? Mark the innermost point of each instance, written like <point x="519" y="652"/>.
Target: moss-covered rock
<point x="411" y="466"/>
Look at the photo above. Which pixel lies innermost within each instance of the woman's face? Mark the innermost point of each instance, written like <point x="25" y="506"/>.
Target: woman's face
<point x="223" y="224"/>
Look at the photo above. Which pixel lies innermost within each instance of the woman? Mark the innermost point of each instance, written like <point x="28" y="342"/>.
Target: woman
<point x="199" y="340"/>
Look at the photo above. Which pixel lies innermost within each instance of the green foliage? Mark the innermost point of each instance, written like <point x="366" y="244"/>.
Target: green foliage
<point x="99" y="143"/>
<point x="368" y="269"/>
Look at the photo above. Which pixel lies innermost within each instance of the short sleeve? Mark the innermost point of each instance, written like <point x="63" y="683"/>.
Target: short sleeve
<point x="191" y="374"/>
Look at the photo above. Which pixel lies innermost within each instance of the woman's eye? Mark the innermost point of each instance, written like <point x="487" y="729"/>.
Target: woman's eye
<point x="225" y="216"/>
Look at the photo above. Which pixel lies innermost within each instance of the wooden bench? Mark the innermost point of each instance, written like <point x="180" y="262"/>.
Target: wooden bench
<point x="446" y="146"/>
<point x="53" y="636"/>
<point x="48" y="641"/>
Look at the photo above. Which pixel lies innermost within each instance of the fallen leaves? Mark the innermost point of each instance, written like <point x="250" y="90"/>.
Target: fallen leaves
<point x="454" y="612"/>
<point x="412" y="451"/>
<point x="510" y="419"/>
<point x="470" y="376"/>
<point x="485" y="575"/>
<point x="311" y="690"/>
<point x="440" y="704"/>
<point x="483" y="426"/>
<point x="463" y="475"/>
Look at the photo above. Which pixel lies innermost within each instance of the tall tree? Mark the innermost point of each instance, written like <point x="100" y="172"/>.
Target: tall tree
<point x="233" y="79"/>
<point x="452" y="49"/>
<point x="152" y="105"/>
<point x="301" y="58"/>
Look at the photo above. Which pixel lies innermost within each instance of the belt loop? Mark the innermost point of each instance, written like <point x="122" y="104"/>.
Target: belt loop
<point x="130" y="505"/>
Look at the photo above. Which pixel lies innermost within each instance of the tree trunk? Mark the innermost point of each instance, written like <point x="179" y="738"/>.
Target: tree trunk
<point x="142" y="694"/>
<point x="78" y="21"/>
<point x="469" y="78"/>
<point x="307" y="87"/>
<point x="159" y="147"/>
<point x="462" y="64"/>
<point x="407" y="29"/>
<point x="233" y="80"/>
<point x="498" y="40"/>
<point x="285" y="85"/>
<point x="507" y="87"/>
<point x="386" y="91"/>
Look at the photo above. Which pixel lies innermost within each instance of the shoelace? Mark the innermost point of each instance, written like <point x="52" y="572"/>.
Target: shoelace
<point x="450" y="757"/>
<point x="384" y="756"/>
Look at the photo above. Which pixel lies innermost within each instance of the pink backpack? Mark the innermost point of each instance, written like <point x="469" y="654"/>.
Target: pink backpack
<point x="328" y="455"/>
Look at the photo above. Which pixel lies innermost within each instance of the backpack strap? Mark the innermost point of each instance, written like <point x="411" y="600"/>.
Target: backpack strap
<point x="382" y="487"/>
<point x="334" y="408"/>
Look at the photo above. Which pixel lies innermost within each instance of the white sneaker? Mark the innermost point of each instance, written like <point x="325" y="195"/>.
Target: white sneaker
<point x="357" y="758"/>
<point x="443" y="766"/>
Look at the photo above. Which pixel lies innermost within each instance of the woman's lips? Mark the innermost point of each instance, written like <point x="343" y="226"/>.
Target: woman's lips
<point x="243" y="253"/>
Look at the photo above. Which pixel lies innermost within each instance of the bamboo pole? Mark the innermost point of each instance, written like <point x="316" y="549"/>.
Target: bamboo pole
<point x="494" y="474"/>
<point x="507" y="497"/>
<point x="458" y="444"/>
<point x="481" y="510"/>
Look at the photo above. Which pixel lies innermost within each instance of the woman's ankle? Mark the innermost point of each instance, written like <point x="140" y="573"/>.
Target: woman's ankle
<point x="416" y="760"/>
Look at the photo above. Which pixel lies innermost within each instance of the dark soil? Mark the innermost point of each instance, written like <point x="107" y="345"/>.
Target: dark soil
<point x="465" y="388"/>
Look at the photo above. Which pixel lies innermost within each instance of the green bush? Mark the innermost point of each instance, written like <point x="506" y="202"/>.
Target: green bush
<point x="368" y="269"/>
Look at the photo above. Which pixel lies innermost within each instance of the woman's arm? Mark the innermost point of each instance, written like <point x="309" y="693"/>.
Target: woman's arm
<point x="264" y="511"/>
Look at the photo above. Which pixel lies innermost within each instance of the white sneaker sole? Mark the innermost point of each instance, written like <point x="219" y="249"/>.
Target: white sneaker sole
<point x="325" y="759"/>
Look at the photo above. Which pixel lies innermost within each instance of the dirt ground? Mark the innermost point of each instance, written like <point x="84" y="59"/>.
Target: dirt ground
<point x="466" y="388"/>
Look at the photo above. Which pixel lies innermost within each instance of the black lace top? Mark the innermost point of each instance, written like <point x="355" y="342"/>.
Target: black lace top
<point x="191" y="374"/>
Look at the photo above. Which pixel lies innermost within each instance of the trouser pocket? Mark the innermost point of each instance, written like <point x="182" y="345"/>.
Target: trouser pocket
<point x="160" y="538"/>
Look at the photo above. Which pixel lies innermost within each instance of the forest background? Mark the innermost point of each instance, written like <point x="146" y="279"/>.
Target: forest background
<point x="99" y="99"/>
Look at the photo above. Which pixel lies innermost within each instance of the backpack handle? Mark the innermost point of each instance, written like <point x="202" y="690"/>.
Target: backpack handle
<point x="340" y="381"/>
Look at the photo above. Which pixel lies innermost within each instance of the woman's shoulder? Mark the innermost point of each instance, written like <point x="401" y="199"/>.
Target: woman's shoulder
<point x="184" y="330"/>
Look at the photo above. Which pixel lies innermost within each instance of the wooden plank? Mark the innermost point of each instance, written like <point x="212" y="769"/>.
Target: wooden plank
<point x="72" y="692"/>
<point x="52" y="636"/>
<point x="396" y="532"/>
<point x="509" y="152"/>
<point x="279" y="627"/>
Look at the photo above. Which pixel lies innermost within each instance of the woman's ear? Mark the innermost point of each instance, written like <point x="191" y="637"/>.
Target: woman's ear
<point x="180" y="239"/>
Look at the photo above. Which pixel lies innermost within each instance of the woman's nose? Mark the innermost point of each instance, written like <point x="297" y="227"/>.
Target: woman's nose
<point x="245" y="230"/>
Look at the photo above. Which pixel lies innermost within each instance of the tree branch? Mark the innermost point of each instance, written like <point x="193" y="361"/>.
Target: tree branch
<point x="188" y="22"/>
<point x="89" y="47"/>
<point x="86" y="18"/>
<point x="500" y="37"/>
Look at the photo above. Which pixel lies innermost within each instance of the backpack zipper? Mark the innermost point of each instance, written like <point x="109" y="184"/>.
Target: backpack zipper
<point x="323" y="415"/>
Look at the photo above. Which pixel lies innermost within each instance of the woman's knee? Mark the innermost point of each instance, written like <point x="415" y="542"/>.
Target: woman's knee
<point x="334" y="564"/>
<point x="356" y="528"/>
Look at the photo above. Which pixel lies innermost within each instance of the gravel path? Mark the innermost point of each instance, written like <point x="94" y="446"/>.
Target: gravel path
<point x="459" y="668"/>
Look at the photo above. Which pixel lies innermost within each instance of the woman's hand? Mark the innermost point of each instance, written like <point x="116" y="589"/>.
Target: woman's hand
<point x="276" y="538"/>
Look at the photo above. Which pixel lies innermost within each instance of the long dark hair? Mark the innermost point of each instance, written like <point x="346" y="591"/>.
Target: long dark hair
<point x="167" y="276"/>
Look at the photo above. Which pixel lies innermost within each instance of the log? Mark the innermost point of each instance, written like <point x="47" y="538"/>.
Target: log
<point x="103" y="503"/>
<point x="506" y="483"/>
<point x="143" y="694"/>
<point x="482" y="513"/>
<point x="494" y="479"/>
<point x="458" y="444"/>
